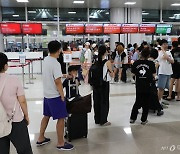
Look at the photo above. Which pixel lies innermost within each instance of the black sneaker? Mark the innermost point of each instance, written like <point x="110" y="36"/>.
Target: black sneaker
<point x="66" y="147"/>
<point x="160" y="113"/>
<point x="46" y="141"/>
<point x="144" y="123"/>
<point x="132" y="121"/>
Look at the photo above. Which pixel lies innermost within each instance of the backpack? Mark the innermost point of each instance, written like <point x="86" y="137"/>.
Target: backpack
<point x="82" y="57"/>
<point x="96" y="74"/>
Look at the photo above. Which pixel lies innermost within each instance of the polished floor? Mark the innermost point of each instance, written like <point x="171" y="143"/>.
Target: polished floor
<point x="160" y="136"/>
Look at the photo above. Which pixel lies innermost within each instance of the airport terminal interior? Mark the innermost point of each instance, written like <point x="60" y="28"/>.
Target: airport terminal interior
<point x="26" y="28"/>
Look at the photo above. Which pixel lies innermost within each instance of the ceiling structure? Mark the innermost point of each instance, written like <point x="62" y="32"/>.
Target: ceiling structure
<point x="144" y="4"/>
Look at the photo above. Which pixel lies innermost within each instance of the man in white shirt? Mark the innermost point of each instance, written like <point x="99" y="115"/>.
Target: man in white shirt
<point x="165" y="69"/>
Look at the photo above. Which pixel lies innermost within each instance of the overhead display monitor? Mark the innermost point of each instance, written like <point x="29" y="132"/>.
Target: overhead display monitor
<point x="94" y="28"/>
<point x="10" y="28"/>
<point x="112" y="28"/>
<point x="74" y="28"/>
<point x="32" y="28"/>
<point x="147" y="28"/>
<point x="129" y="28"/>
<point x="163" y="28"/>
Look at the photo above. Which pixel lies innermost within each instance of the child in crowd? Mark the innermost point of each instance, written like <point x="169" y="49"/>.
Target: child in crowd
<point x="71" y="83"/>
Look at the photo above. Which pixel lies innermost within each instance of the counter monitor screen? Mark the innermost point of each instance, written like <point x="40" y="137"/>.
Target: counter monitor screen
<point x="10" y="28"/>
<point x="32" y="28"/>
<point x="129" y="28"/>
<point x="74" y="28"/>
<point x="163" y="29"/>
<point x="94" y="28"/>
<point x="112" y="28"/>
<point x="147" y="28"/>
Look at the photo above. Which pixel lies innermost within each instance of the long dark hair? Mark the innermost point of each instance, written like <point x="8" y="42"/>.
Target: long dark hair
<point x="101" y="51"/>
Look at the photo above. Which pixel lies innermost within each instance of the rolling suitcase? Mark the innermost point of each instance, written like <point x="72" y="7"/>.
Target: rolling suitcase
<point x="76" y="124"/>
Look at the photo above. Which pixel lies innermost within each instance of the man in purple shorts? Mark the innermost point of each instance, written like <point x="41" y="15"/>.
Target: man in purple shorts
<point x="54" y="104"/>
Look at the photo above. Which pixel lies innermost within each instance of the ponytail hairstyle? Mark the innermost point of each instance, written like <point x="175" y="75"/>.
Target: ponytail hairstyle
<point x="101" y="51"/>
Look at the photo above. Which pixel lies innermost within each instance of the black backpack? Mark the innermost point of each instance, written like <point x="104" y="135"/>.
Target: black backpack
<point x="96" y="74"/>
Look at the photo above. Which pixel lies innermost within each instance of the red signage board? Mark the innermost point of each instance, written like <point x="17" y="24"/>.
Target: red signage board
<point x="74" y="28"/>
<point x="129" y="28"/>
<point x="32" y="28"/>
<point x="147" y="28"/>
<point x="112" y="28"/>
<point x="10" y="28"/>
<point x="94" y="28"/>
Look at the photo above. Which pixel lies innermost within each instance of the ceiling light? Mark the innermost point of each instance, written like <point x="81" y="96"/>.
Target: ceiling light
<point x="145" y="13"/>
<point x="72" y="12"/>
<point x="175" y="4"/>
<point x="15" y="15"/>
<point x="107" y="12"/>
<point x="78" y="2"/>
<point x="31" y="11"/>
<point x="130" y="3"/>
<point x="22" y="1"/>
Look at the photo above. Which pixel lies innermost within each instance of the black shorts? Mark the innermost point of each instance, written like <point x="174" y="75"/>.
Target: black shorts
<point x="175" y="76"/>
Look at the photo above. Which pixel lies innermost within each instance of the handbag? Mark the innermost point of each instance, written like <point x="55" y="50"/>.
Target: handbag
<point x="79" y="104"/>
<point x="5" y="120"/>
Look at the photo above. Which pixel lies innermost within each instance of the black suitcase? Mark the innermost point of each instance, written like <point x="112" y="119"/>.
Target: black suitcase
<point x="76" y="126"/>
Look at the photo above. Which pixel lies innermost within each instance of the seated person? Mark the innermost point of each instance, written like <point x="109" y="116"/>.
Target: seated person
<point x="71" y="83"/>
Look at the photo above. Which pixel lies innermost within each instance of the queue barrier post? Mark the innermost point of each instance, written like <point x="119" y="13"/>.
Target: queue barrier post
<point x="23" y="77"/>
<point x="41" y="64"/>
<point x="29" y="73"/>
<point x="32" y="70"/>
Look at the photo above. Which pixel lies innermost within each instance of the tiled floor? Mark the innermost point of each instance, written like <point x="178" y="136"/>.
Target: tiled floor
<point x="160" y="136"/>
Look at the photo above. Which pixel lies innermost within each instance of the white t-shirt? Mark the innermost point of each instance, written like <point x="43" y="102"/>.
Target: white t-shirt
<point x="105" y="69"/>
<point x="88" y="56"/>
<point x="165" y="67"/>
<point x="126" y="58"/>
<point x="51" y="72"/>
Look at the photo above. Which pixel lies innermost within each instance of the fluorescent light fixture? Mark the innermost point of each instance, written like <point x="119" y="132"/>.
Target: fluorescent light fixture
<point x="107" y="12"/>
<point x="72" y="12"/>
<point x="78" y="2"/>
<point x="130" y="3"/>
<point x="55" y="16"/>
<point x="31" y="11"/>
<point x="145" y="13"/>
<point x="15" y="15"/>
<point x="175" y="4"/>
<point x="22" y="1"/>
